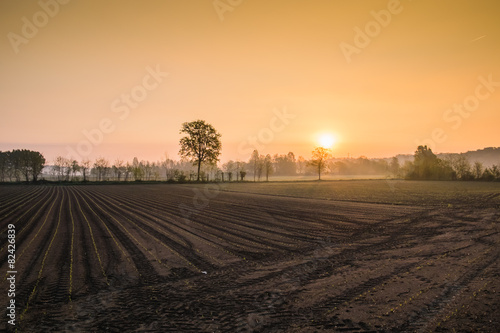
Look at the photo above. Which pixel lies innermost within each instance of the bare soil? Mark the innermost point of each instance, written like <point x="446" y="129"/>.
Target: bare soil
<point x="204" y="258"/>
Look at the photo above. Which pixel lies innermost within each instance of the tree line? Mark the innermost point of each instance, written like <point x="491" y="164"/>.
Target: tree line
<point x="258" y="167"/>
<point x="200" y="148"/>
<point x="20" y="164"/>
<point x="427" y="166"/>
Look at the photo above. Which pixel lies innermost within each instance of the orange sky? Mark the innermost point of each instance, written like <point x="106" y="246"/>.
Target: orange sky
<point x="65" y="70"/>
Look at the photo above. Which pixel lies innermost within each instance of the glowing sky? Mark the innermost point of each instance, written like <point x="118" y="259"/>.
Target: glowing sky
<point x="68" y="68"/>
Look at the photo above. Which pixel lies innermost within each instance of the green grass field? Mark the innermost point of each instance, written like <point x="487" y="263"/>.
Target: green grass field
<point x="425" y="193"/>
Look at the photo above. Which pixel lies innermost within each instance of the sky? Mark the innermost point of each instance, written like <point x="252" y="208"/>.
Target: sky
<point x="117" y="78"/>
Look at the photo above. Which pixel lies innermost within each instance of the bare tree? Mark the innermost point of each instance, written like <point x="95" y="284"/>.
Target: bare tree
<point x="127" y="170"/>
<point x="461" y="166"/>
<point x="85" y="165"/>
<point x="67" y="168"/>
<point x="495" y="170"/>
<point x="101" y="165"/>
<point x="118" y="168"/>
<point x="59" y="164"/>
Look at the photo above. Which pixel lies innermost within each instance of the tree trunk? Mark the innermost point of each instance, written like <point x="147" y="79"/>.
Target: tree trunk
<point x="199" y="166"/>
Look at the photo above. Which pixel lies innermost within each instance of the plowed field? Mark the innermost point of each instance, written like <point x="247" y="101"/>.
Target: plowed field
<point x="189" y="258"/>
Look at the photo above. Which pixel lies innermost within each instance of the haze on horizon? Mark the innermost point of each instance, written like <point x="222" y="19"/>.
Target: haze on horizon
<point x="378" y="77"/>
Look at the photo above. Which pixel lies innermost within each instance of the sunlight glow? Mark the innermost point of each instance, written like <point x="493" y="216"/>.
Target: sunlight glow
<point x="326" y="140"/>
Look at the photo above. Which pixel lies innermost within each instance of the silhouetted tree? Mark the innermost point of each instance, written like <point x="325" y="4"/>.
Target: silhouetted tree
<point x="228" y="167"/>
<point x="319" y="157"/>
<point x="424" y="163"/>
<point x="260" y="166"/>
<point x="118" y="168"/>
<point x="101" y="166"/>
<point x="254" y="160"/>
<point x="74" y="168"/>
<point x="427" y="165"/>
<point x="36" y="164"/>
<point x="478" y="170"/>
<point x="495" y="171"/>
<point x="4" y="165"/>
<point x="59" y="163"/>
<point x="488" y="175"/>
<point x="239" y="166"/>
<point x="85" y="165"/>
<point x="20" y="163"/>
<point x="67" y="168"/>
<point x="148" y="169"/>
<point x="461" y="166"/>
<point x="136" y="169"/>
<point x="202" y="143"/>
<point x="268" y="166"/>
<point x="128" y="170"/>
<point x="30" y="163"/>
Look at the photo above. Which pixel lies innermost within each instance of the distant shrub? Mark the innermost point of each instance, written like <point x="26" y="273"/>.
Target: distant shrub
<point x="488" y="175"/>
<point x="427" y="166"/>
<point x="179" y="176"/>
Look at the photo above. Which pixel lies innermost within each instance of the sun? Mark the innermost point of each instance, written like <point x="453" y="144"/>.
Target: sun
<point x="326" y="140"/>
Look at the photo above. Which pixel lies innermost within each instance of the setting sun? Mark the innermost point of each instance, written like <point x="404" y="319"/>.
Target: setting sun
<point x="326" y="140"/>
